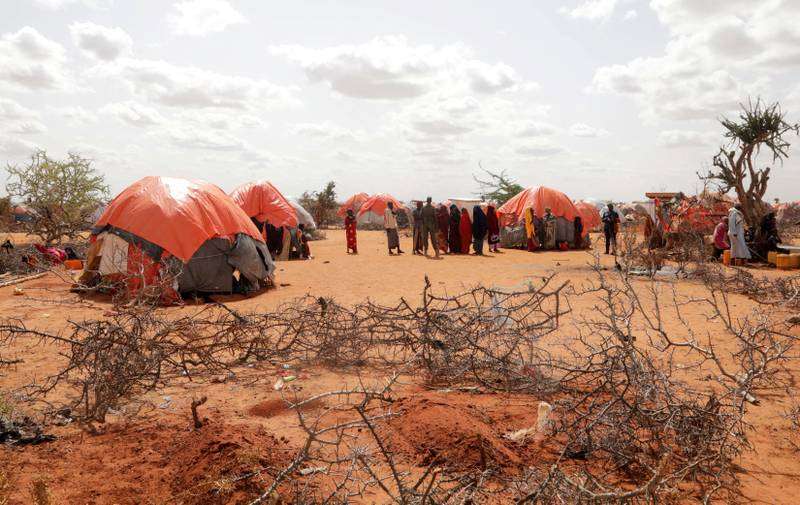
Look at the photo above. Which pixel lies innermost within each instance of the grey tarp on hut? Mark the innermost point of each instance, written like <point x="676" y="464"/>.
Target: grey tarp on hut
<point x="210" y="270"/>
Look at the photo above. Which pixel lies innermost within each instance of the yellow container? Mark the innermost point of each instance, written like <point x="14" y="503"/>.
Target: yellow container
<point x="726" y="257"/>
<point x="783" y="262"/>
<point x="772" y="257"/>
<point x="794" y="260"/>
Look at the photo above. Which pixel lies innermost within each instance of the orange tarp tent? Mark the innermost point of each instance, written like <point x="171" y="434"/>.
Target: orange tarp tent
<point x="538" y="198"/>
<point x="264" y="202"/>
<point x="354" y="202"/>
<point x="377" y="204"/>
<point x="590" y="216"/>
<point x="178" y="215"/>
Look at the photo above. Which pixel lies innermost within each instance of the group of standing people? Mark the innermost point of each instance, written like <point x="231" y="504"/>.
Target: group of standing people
<point x="285" y="242"/>
<point x="438" y="229"/>
<point x="730" y="233"/>
<point x="451" y="230"/>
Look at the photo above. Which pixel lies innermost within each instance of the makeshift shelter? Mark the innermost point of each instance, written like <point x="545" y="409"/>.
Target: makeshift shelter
<point x="468" y="203"/>
<point x="371" y="211"/>
<point x="354" y="202"/>
<point x="303" y="216"/>
<point x="263" y="202"/>
<point x="186" y="232"/>
<point x="590" y="215"/>
<point x="540" y="198"/>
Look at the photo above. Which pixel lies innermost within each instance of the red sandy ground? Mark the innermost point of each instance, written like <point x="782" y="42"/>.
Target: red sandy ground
<point x="155" y="456"/>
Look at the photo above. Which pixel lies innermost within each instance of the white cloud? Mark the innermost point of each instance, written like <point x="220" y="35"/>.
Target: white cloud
<point x="630" y="15"/>
<point x="75" y="115"/>
<point x="16" y="147"/>
<point x="390" y="68"/>
<point x="201" y="17"/>
<point x="31" y="61"/>
<point x="11" y="110"/>
<point x="190" y="137"/>
<point x="592" y="10"/>
<point x="584" y="130"/>
<point x="535" y="129"/>
<point x="25" y="127"/>
<point x="60" y="4"/>
<point x="539" y="148"/>
<point x="684" y="138"/>
<point x="720" y="52"/>
<point x="191" y="87"/>
<point x="133" y="113"/>
<point x="325" y="130"/>
<point x="101" y="42"/>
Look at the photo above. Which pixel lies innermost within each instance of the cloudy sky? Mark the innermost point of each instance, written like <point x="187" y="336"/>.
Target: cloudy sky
<point x="599" y="98"/>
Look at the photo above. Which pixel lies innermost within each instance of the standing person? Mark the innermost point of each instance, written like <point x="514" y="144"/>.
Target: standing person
<point x="611" y="227"/>
<point x="465" y="231"/>
<point x="416" y="229"/>
<point x="430" y="227"/>
<point x="721" y="238"/>
<point x="530" y="229"/>
<point x="454" y="236"/>
<point x="739" y="251"/>
<point x="479" y="228"/>
<point x="443" y="220"/>
<point x="494" y="228"/>
<point x="390" y="224"/>
<point x="578" y="237"/>
<point x="549" y="229"/>
<point x="350" y="223"/>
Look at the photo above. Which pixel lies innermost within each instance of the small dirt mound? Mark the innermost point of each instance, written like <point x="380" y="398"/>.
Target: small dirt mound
<point x="156" y="463"/>
<point x="458" y="436"/>
<point x="277" y="406"/>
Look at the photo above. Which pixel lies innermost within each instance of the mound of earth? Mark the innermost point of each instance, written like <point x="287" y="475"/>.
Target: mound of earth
<point x="154" y="463"/>
<point x="461" y="432"/>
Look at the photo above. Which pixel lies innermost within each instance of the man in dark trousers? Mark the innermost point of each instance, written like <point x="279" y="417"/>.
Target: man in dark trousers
<point x="611" y="227"/>
<point x="430" y="226"/>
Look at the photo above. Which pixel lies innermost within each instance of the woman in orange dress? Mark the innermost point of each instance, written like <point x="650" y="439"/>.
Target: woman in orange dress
<point x="350" y="232"/>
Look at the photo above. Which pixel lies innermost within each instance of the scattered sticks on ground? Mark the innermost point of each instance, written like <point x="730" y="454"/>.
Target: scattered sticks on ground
<point x="629" y="424"/>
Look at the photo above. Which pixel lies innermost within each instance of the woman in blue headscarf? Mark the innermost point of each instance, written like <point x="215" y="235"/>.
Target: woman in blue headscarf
<point x="480" y="226"/>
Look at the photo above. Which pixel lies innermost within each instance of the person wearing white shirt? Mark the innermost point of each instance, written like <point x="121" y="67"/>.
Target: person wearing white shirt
<point x="390" y="224"/>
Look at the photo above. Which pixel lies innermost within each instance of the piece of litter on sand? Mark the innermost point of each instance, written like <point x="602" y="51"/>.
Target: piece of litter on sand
<point x="278" y="385"/>
<point x="167" y="402"/>
<point x="311" y="470"/>
<point x="284" y="284"/>
<point x="520" y="435"/>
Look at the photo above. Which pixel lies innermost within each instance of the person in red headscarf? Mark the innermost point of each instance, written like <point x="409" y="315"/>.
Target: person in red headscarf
<point x="494" y="229"/>
<point x="443" y="220"/>
<point x="465" y="229"/>
<point x="350" y="231"/>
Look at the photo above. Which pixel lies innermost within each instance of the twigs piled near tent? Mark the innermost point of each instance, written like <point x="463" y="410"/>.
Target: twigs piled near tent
<point x="628" y="423"/>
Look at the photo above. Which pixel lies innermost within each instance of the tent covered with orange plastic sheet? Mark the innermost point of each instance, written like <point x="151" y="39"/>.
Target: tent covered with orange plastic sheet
<point x="263" y="202"/>
<point x="538" y="198"/>
<point x="161" y="226"/>
<point x="354" y="202"/>
<point x="590" y="216"/>
<point x="371" y="211"/>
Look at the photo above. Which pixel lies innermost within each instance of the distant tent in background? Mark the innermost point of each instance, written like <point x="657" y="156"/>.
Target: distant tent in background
<point x="303" y="216"/>
<point x="468" y="203"/>
<point x="539" y="198"/>
<point x="163" y="225"/>
<point x="371" y="212"/>
<point x="263" y="202"/>
<point x="354" y="202"/>
<point x="590" y="215"/>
